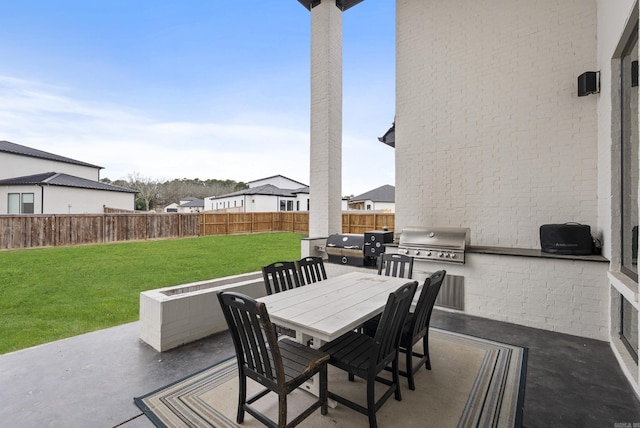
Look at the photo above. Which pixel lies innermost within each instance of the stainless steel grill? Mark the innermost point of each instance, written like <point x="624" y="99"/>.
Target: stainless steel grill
<point x="445" y="244"/>
<point x="346" y="249"/>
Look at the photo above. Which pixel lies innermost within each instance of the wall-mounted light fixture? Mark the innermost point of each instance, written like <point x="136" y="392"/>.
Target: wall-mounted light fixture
<point x="588" y="83"/>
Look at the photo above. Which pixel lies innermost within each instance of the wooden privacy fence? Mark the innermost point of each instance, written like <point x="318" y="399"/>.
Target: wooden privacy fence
<point x="363" y="222"/>
<point x="52" y="230"/>
<point x="298" y="222"/>
<point x="230" y="223"/>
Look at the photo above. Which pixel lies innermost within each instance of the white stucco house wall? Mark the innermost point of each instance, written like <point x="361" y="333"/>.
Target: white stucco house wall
<point x="379" y="199"/>
<point x="33" y="181"/>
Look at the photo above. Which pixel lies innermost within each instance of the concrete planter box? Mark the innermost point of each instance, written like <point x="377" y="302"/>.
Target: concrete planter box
<point x="173" y="316"/>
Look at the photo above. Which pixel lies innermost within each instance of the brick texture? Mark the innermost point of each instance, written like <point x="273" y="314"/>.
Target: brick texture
<point x="490" y="133"/>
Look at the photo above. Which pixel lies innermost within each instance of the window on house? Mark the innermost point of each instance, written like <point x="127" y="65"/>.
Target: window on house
<point x="27" y="203"/>
<point x="629" y="187"/>
<point x="289" y="205"/>
<point x="283" y="205"/>
<point x="629" y="327"/>
<point x="13" y="203"/>
<point x="629" y="158"/>
<point x="20" y="203"/>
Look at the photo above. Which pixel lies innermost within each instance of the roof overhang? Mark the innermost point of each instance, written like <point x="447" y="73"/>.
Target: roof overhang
<point x="389" y="137"/>
<point x="341" y="4"/>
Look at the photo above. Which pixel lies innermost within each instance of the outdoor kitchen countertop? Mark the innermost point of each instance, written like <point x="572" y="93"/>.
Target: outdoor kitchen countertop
<point x="525" y="252"/>
<point x="530" y="252"/>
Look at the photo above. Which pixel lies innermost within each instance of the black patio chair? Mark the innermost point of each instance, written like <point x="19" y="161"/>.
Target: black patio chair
<point x="311" y="269"/>
<point x="365" y="357"/>
<point x="280" y="276"/>
<point x="416" y="327"/>
<point x="280" y="366"/>
<point x="398" y="265"/>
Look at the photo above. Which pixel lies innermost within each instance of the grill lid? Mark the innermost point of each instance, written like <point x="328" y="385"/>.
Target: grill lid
<point x="347" y="240"/>
<point x="435" y="237"/>
<point x="435" y="243"/>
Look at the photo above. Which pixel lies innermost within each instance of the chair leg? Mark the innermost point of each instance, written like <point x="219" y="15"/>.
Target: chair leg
<point x="396" y="377"/>
<point x="371" y="401"/>
<point x="242" y="397"/>
<point x="282" y="410"/>
<point x="351" y="377"/>
<point x="425" y="350"/>
<point x="323" y="390"/>
<point x="409" y="363"/>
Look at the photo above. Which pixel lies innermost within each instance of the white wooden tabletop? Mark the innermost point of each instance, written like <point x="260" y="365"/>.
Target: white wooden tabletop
<point x="327" y="309"/>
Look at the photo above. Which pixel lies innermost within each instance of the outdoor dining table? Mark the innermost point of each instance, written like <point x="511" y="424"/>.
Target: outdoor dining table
<point x="327" y="309"/>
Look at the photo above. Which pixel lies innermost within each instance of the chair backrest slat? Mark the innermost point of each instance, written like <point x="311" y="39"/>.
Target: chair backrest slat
<point x="280" y="276"/>
<point x="387" y="335"/>
<point x="311" y="269"/>
<point x="397" y="265"/>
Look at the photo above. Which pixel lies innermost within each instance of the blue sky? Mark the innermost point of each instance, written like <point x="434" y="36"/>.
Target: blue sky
<point x="191" y="89"/>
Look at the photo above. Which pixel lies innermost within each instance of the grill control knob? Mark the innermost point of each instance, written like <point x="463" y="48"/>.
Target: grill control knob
<point x="440" y="254"/>
<point x="417" y="252"/>
<point x="453" y="255"/>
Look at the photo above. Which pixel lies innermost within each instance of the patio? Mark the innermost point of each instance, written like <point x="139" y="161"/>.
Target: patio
<point x="90" y="380"/>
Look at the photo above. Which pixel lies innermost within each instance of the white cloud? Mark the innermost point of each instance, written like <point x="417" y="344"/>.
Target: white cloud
<point x="124" y="140"/>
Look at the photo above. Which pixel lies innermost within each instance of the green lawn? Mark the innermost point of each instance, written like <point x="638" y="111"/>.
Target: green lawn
<point x="52" y="293"/>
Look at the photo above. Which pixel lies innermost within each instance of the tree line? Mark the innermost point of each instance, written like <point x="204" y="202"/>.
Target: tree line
<point x="154" y="194"/>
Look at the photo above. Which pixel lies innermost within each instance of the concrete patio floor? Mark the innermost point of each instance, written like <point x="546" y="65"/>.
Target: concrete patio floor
<point x="90" y="380"/>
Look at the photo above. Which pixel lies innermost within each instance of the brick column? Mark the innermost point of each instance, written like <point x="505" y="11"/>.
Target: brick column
<point x="325" y="187"/>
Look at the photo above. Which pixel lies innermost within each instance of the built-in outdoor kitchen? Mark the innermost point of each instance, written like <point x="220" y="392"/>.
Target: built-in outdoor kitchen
<point x="520" y="285"/>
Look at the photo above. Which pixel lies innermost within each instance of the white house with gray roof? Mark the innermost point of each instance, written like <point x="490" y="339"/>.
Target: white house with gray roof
<point x="270" y="194"/>
<point x="186" y="205"/>
<point x="37" y="182"/>
<point x="382" y="198"/>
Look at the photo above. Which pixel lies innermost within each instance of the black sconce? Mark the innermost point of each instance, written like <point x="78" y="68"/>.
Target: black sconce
<point x="588" y="83"/>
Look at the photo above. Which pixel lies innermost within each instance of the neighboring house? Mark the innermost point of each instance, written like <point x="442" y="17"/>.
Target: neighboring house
<point x="270" y="194"/>
<point x="276" y="193"/>
<point x="171" y="208"/>
<point x="380" y="199"/>
<point x="186" y="205"/>
<point x="36" y="182"/>
<point x="278" y="181"/>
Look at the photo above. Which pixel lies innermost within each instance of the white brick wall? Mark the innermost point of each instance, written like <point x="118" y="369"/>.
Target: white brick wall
<point x="566" y="296"/>
<point x="490" y="133"/>
<point x="325" y="185"/>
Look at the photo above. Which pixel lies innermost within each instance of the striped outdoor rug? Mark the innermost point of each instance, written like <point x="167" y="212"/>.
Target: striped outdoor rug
<point x="473" y="383"/>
